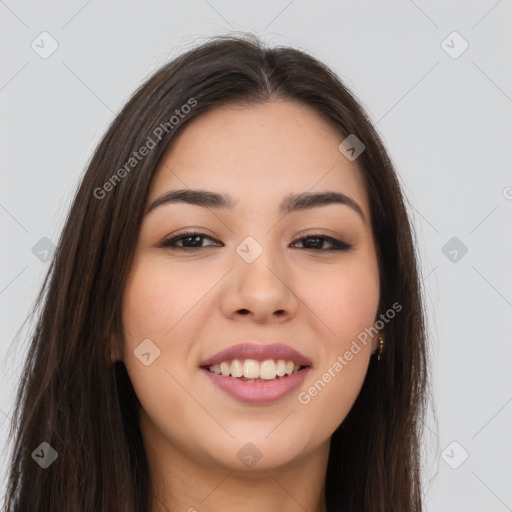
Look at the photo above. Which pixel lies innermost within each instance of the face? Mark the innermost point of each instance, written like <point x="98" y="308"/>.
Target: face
<point x="251" y="273"/>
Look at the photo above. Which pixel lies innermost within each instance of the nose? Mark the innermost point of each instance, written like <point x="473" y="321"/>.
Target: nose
<point x="260" y="291"/>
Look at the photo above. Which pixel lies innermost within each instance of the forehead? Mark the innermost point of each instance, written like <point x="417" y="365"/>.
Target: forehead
<point x="259" y="153"/>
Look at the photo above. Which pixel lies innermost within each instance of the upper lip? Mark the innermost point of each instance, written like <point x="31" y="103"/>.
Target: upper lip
<point x="259" y="353"/>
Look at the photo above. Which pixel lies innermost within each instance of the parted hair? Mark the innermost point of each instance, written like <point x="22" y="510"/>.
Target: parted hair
<point x="73" y="397"/>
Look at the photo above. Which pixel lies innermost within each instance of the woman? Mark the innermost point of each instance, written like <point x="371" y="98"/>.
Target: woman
<point x="233" y="316"/>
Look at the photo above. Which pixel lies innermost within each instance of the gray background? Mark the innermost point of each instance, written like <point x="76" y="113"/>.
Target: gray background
<point x="446" y="122"/>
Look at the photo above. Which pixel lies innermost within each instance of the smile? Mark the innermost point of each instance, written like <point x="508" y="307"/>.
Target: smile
<point x="257" y="390"/>
<point x="252" y="370"/>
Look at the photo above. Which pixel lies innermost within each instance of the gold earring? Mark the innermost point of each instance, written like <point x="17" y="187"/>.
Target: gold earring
<point x="381" y="347"/>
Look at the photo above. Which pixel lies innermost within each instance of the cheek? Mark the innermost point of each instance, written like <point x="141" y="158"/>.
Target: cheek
<point x="156" y="297"/>
<point x="158" y="305"/>
<point x="345" y="300"/>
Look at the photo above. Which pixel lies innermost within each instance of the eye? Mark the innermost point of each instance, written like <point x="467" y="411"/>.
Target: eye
<point x="318" y="239"/>
<point x="192" y="240"/>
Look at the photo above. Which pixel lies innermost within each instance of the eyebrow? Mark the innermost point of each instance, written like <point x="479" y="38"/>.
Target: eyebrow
<point x="291" y="203"/>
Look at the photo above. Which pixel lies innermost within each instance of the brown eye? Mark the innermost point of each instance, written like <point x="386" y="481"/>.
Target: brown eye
<point x="190" y="240"/>
<point x="319" y="240"/>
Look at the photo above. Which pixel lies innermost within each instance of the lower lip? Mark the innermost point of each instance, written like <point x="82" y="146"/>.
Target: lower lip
<point x="258" y="392"/>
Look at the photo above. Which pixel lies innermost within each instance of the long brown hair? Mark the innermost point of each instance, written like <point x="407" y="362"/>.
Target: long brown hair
<point x="70" y="394"/>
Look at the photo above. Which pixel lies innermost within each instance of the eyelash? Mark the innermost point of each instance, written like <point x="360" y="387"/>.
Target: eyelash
<point x="169" y="243"/>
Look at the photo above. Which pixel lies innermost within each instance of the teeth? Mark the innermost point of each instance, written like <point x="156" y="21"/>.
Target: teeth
<point x="237" y="370"/>
<point x="224" y="368"/>
<point x="268" y="370"/>
<point x="281" y="367"/>
<point x="252" y="369"/>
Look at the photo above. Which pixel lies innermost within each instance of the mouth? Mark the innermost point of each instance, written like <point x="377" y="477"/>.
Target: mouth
<point x="251" y="370"/>
<point x="257" y="383"/>
<point x="256" y="373"/>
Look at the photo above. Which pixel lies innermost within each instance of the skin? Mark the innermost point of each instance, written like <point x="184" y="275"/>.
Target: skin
<point x="193" y="304"/>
